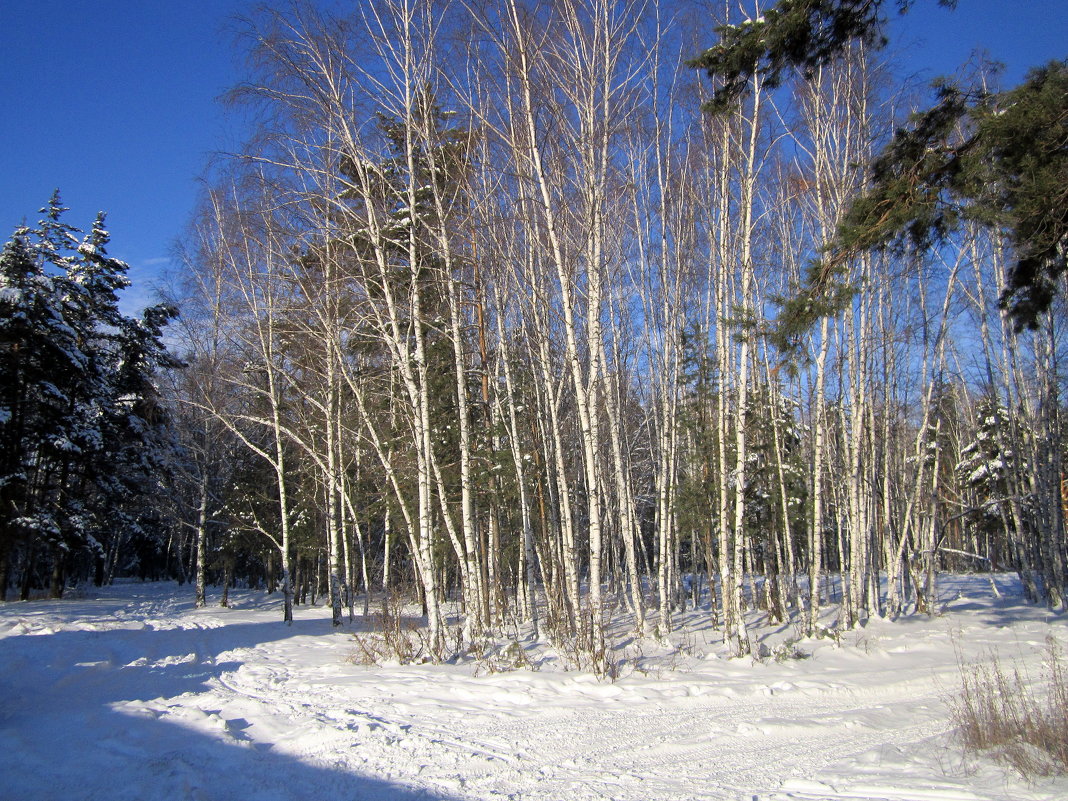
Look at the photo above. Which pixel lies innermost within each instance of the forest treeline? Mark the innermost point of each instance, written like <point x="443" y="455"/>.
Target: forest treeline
<point x="484" y="317"/>
<point x="85" y="439"/>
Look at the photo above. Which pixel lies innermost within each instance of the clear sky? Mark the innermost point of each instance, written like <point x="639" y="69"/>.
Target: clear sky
<point x="1019" y="33"/>
<point x="114" y="102"/>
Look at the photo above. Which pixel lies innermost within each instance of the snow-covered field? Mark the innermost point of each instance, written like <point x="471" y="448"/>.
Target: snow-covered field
<point x="130" y="693"/>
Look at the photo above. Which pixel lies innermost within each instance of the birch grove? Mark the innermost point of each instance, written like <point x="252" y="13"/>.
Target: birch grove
<point x="486" y="310"/>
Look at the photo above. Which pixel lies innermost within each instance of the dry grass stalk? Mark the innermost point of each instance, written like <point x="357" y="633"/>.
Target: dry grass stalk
<point x="1018" y="722"/>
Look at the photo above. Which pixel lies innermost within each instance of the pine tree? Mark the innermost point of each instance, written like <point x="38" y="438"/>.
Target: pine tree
<point x="997" y="158"/>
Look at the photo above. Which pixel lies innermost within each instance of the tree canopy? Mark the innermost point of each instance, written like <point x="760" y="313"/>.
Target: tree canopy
<point x="996" y="158"/>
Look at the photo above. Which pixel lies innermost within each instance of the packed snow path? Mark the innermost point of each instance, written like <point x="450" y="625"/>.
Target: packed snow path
<point x="131" y="693"/>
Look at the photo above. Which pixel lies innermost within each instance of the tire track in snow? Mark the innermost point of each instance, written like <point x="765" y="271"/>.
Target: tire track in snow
<point x="719" y="748"/>
<point x="709" y="746"/>
<point x="842" y="725"/>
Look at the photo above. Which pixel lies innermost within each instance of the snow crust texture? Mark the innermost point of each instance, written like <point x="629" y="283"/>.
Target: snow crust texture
<point x="131" y="693"/>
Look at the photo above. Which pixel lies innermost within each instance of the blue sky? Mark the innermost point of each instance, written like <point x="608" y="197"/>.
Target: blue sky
<point x="115" y="102"/>
<point x="1021" y="34"/>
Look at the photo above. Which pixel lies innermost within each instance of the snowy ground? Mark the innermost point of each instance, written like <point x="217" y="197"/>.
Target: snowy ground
<point x="131" y="693"/>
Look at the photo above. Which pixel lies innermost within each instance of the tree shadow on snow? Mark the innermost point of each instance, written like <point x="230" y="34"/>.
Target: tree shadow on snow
<point x="96" y="715"/>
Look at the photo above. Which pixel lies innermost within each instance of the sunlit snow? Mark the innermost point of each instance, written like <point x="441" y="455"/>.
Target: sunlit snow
<point x="128" y="692"/>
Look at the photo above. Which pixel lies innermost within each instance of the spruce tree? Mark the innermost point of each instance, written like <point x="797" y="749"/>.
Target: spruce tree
<point x="40" y="362"/>
<point x="82" y="436"/>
